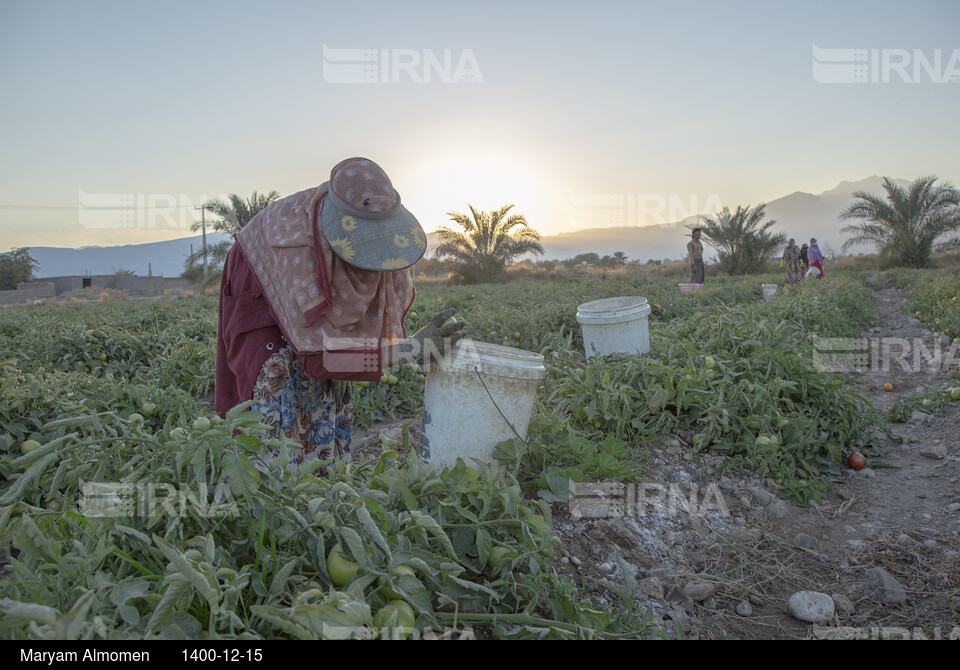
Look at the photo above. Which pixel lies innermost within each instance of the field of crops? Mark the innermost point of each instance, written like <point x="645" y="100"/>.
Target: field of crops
<point x="213" y="547"/>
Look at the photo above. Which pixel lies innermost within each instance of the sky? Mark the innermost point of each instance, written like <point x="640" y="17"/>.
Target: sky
<point x="117" y="119"/>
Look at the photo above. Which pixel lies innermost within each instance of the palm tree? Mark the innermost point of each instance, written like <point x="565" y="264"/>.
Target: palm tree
<point x="619" y="259"/>
<point x="231" y="216"/>
<point x="906" y="224"/>
<point x="489" y="242"/>
<point x="742" y="239"/>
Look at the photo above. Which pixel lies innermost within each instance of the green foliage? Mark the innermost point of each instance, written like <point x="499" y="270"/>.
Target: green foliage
<point x="488" y="243"/>
<point x="230" y="217"/>
<point x="906" y="224"/>
<point x="16" y="266"/>
<point x="742" y="239"/>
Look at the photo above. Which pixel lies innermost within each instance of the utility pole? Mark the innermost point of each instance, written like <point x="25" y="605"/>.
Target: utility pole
<point x="203" y="225"/>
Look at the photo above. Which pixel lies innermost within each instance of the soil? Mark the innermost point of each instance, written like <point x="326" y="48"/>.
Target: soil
<point x="724" y="563"/>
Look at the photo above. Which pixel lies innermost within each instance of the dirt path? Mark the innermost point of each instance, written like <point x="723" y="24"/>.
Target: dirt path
<point x="712" y="557"/>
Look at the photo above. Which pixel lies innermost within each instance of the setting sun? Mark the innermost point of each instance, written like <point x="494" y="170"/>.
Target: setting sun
<point x="484" y="180"/>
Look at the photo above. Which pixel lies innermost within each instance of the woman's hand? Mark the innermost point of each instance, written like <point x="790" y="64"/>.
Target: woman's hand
<point x="432" y="342"/>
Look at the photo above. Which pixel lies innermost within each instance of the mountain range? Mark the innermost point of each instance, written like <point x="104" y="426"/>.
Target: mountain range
<point x="800" y="215"/>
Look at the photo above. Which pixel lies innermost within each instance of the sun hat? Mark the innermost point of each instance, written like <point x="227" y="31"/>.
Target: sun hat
<point x="363" y="221"/>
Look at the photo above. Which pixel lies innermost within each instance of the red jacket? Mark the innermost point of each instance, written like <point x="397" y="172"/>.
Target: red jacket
<point x="248" y="333"/>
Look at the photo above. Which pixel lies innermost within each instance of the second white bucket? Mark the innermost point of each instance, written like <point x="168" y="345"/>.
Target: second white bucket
<point x="482" y="394"/>
<point x="615" y="325"/>
<point x="769" y="290"/>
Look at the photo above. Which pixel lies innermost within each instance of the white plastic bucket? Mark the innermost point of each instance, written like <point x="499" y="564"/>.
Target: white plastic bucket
<point x="768" y="290"/>
<point x="686" y="288"/>
<point x="615" y="325"/>
<point x="475" y="399"/>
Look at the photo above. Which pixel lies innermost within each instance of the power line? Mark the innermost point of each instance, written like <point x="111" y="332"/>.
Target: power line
<point x="54" y="208"/>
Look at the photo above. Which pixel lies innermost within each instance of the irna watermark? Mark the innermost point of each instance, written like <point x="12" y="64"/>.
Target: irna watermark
<point x="394" y="66"/>
<point x="145" y="499"/>
<point x="607" y="500"/>
<point x="605" y="210"/>
<point x="884" y="66"/>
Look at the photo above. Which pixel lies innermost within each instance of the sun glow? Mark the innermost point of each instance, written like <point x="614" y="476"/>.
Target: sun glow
<point x="487" y="181"/>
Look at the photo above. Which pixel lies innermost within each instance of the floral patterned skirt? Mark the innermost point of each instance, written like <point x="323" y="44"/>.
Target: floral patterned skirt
<point x="305" y="409"/>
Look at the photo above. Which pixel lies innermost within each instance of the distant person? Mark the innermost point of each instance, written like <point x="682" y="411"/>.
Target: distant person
<point x="791" y="258"/>
<point x="804" y="262"/>
<point x="816" y="260"/>
<point x="695" y="254"/>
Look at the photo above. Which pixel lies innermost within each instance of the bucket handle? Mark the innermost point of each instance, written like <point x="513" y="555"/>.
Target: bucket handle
<point x="482" y="383"/>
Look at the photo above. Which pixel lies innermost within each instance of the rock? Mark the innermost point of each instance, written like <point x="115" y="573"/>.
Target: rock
<point x="676" y="595"/>
<point x="944" y="340"/>
<point x="762" y="497"/>
<point x="651" y="587"/>
<point x="881" y="585"/>
<point x="937" y="451"/>
<point x="869" y="473"/>
<point x="803" y="541"/>
<point x="953" y="507"/>
<point x="930" y="544"/>
<point x="595" y="535"/>
<point x="777" y="509"/>
<point x="811" y="606"/>
<point x="575" y="560"/>
<point x="904" y="540"/>
<point x="744" y="608"/>
<point x="698" y="591"/>
<point x="842" y="603"/>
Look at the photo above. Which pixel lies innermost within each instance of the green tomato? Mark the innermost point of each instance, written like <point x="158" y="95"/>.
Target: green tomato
<point x="203" y="423"/>
<point x="709" y="362"/>
<point x="148" y="408"/>
<point x="177" y="433"/>
<point x="398" y="612"/>
<point x="135" y="418"/>
<point x="340" y="568"/>
<point x="29" y="445"/>
<point x="398" y="570"/>
<point x="955" y="393"/>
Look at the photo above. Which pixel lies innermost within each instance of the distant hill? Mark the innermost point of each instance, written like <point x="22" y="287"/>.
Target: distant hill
<point x="800" y="215"/>
<point x="164" y="258"/>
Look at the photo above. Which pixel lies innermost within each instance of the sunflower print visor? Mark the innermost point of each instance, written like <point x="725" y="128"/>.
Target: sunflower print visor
<point x="377" y="232"/>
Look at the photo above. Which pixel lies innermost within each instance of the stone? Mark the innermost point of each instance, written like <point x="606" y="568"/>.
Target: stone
<point x="904" y="540"/>
<point x="869" y="473"/>
<point x="803" y="541"/>
<point x="744" y="608"/>
<point x="881" y="585"/>
<point x="842" y="603"/>
<point x="930" y="544"/>
<point x="698" y="591"/>
<point x="953" y="507"/>
<point x="575" y="560"/>
<point x="811" y="606"/>
<point x="676" y="595"/>
<point x="777" y="509"/>
<point x="935" y="451"/>
<point x="651" y="587"/>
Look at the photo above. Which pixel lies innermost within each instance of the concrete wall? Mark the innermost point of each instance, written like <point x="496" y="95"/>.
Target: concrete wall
<point x="28" y="292"/>
<point x="129" y="283"/>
